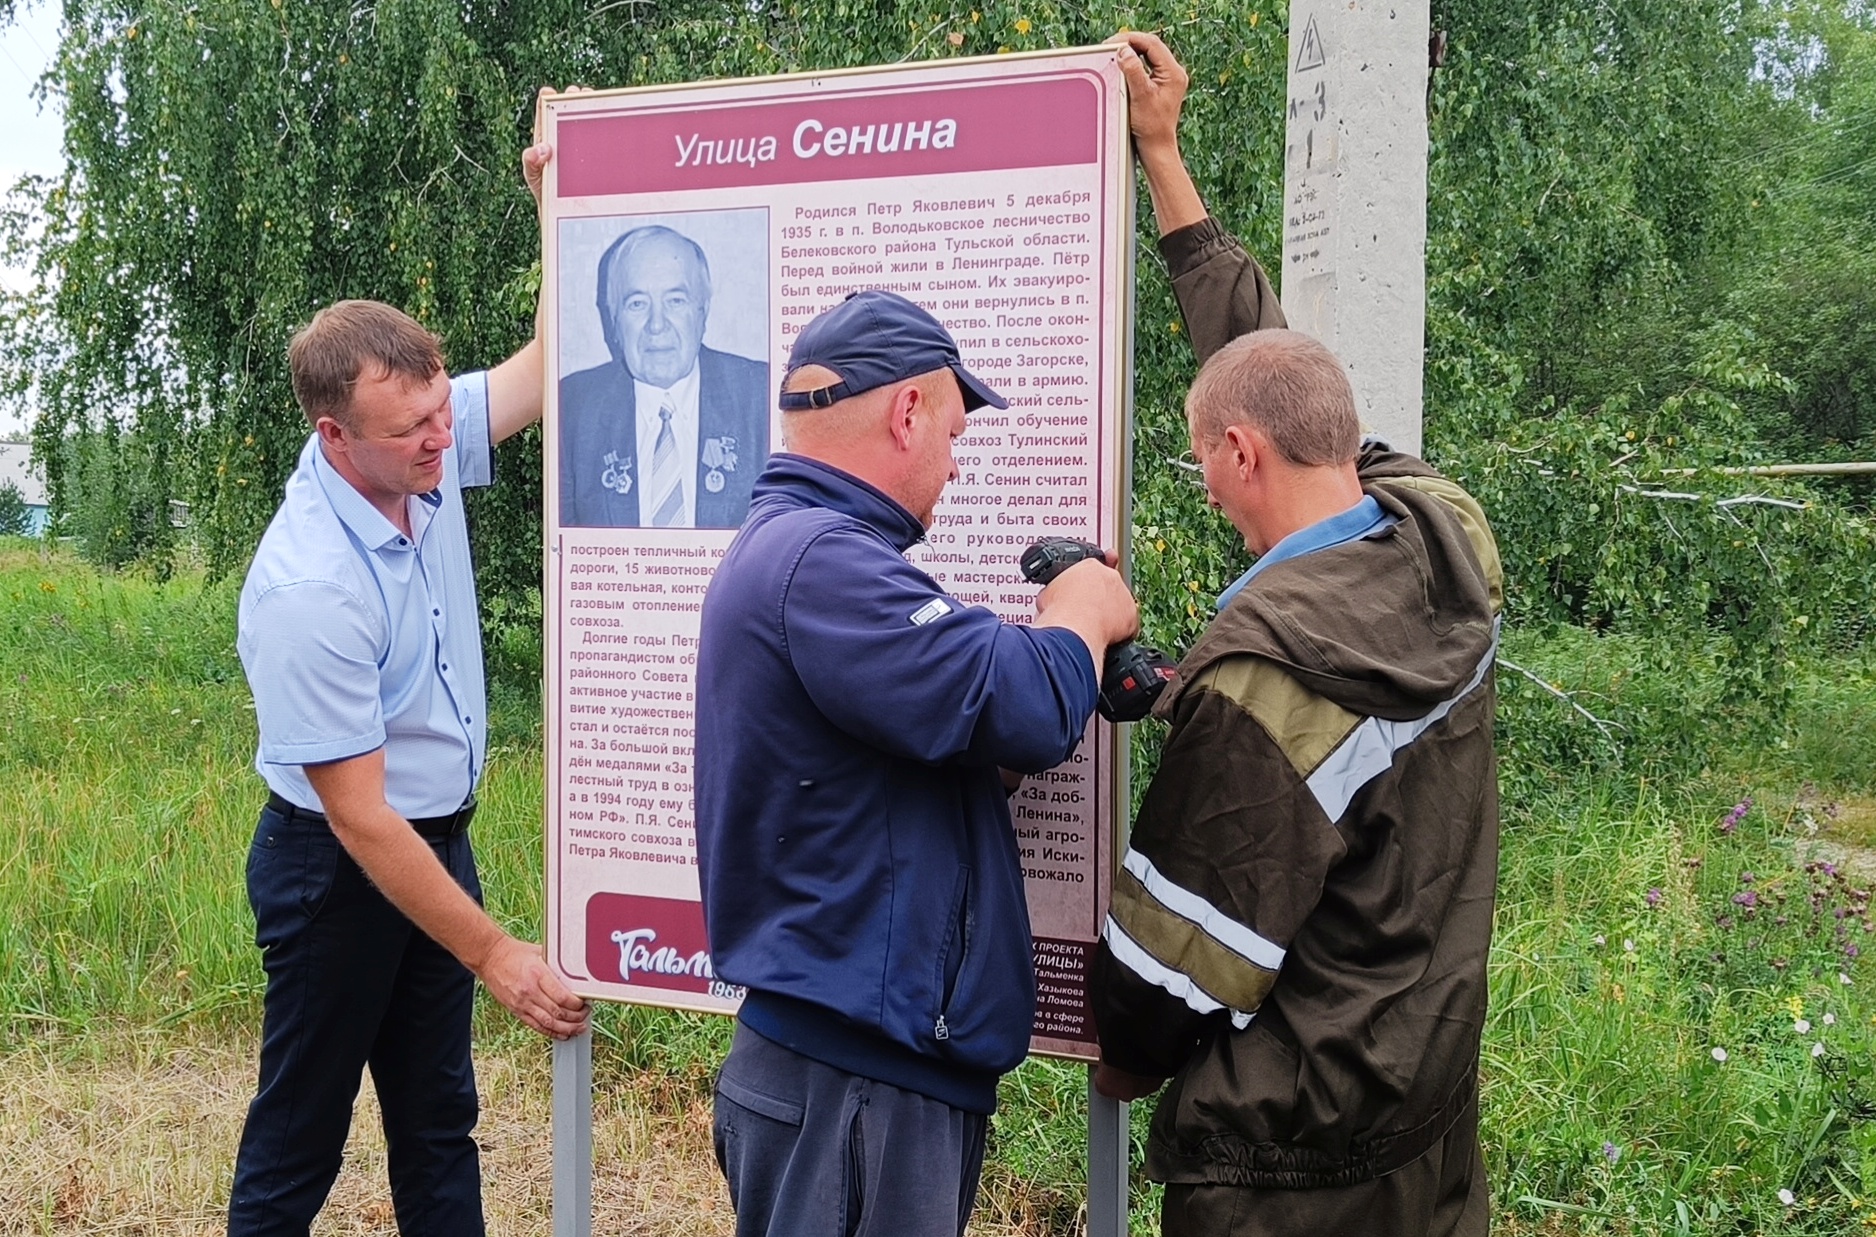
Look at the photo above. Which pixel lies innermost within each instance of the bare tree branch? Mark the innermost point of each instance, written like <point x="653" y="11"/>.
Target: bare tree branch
<point x="1569" y="699"/>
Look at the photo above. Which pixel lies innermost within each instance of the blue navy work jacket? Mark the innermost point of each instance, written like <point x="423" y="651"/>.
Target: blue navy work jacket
<point x="860" y="874"/>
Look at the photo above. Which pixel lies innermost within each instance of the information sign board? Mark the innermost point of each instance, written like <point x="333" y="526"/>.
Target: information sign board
<point x="690" y="233"/>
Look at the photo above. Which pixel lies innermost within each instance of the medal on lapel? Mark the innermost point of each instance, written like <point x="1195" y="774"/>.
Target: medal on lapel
<point x="719" y="456"/>
<point x="617" y="476"/>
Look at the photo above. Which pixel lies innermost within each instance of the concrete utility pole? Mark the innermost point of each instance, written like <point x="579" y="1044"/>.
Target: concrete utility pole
<point x="1355" y="198"/>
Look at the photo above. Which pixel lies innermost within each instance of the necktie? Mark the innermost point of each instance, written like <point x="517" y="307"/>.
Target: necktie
<point x="667" y="487"/>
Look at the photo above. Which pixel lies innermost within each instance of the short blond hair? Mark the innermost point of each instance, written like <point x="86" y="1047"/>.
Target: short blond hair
<point x="1285" y="384"/>
<point x="350" y="340"/>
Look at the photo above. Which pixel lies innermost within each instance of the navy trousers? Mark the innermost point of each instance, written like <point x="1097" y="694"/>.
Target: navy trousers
<point x="813" y="1151"/>
<point x="352" y="983"/>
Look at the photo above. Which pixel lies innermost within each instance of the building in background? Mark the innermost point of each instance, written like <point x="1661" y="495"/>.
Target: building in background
<point x="18" y="470"/>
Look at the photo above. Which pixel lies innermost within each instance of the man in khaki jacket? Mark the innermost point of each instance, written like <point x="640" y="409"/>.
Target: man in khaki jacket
<point x="1299" y="931"/>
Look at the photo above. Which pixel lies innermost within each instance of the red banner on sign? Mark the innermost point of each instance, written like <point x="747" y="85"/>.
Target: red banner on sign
<point x="654" y="942"/>
<point x="921" y="132"/>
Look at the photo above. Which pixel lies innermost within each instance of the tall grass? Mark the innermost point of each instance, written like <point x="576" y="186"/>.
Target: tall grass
<point x="127" y="800"/>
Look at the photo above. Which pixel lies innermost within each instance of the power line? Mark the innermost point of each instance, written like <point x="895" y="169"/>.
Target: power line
<point x="1823" y="179"/>
<point x="1822" y="131"/>
<point x="29" y="79"/>
<point x="1840" y="174"/>
<point x="27" y="30"/>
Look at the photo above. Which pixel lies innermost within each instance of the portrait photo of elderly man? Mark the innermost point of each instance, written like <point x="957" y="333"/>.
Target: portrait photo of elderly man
<point x="667" y="433"/>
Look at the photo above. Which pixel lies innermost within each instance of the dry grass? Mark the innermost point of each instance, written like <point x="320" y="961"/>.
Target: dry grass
<point x="137" y="1136"/>
<point x="134" y="1134"/>
<point x="1853" y="819"/>
<point x="1846" y="832"/>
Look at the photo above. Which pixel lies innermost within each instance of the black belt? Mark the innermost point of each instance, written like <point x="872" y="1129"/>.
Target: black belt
<point x="429" y="826"/>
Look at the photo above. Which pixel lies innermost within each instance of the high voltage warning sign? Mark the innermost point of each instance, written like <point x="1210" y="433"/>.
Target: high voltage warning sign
<point x="1309" y="49"/>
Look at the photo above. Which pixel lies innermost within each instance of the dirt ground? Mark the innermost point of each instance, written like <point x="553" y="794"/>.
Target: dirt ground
<point x="137" y="1137"/>
<point x="133" y="1135"/>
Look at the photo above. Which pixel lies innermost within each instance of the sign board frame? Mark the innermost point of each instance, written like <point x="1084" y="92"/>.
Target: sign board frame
<point x="1111" y="416"/>
<point x="1109" y="1143"/>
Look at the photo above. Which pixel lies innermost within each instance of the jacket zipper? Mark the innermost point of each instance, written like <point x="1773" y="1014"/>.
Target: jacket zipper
<point x="940" y="1029"/>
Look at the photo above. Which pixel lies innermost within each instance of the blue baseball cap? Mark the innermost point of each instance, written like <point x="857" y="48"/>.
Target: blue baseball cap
<point x="874" y="338"/>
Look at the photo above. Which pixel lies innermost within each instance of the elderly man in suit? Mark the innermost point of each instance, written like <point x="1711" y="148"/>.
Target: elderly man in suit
<point x="669" y="433"/>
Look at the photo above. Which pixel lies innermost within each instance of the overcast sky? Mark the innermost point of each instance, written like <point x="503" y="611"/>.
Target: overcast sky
<point x="29" y="136"/>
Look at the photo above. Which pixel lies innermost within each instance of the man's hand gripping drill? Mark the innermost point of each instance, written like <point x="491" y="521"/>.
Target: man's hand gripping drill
<point x="1134" y="675"/>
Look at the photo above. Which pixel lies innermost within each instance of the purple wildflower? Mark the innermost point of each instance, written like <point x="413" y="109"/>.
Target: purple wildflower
<point x="1611" y="1152"/>
<point x="1736" y="815"/>
<point x="1652" y="898"/>
<point x="1748" y="899"/>
<point x="1850" y="950"/>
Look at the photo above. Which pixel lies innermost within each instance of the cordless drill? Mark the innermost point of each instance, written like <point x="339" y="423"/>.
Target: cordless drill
<point x="1134" y="675"/>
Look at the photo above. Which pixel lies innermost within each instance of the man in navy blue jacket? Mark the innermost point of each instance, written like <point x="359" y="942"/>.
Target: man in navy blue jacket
<point x="860" y="874"/>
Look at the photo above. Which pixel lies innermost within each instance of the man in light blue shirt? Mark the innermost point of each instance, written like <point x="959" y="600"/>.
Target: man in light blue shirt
<point x="359" y="634"/>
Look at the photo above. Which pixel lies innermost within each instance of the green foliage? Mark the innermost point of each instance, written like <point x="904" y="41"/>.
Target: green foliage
<point x="234" y="166"/>
<point x="15" y="520"/>
<point x="1643" y="219"/>
<point x="100" y="833"/>
<point x="121" y="901"/>
<point x="1649" y="915"/>
<point x="117" y="488"/>
<point x="1808" y="289"/>
<point x="1576" y="170"/>
<point x="1606" y="536"/>
<point x="1601" y="202"/>
<point x="1647" y="252"/>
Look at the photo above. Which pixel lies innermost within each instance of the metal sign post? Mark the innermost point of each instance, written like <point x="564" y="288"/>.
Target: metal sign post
<point x="1107" y="1164"/>
<point x="573" y="1136"/>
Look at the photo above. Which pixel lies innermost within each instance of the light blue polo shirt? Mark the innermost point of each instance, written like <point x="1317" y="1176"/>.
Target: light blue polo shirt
<point x="1364" y="519"/>
<point x="355" y="637"/>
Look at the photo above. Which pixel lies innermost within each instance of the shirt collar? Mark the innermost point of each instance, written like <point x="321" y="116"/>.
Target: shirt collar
<point x="1363" y="519"/>
<point x="366" y="522"/>
<point x="683" y="393"/>
<point x="798" y="480"/>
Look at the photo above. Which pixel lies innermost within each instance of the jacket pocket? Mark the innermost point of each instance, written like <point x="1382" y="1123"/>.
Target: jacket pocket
<point x="957" y="938"/>
<point x="1241" y="1087"/>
